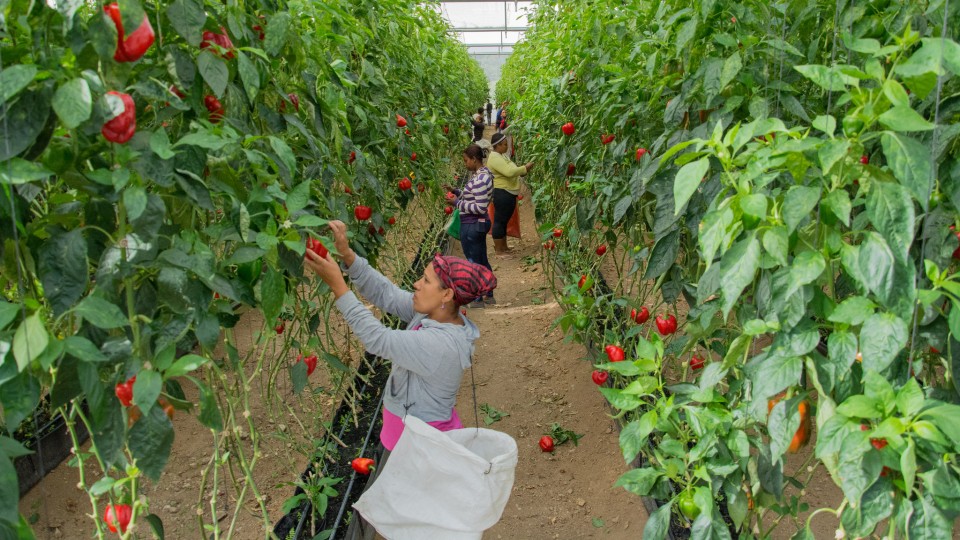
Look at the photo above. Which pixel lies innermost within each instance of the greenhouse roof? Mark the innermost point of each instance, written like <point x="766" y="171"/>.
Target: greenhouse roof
<point x="487" y="27"/>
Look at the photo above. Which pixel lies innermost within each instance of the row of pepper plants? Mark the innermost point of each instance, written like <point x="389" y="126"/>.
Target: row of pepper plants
<point x="783" y="178"/>
<point x="162" y="166"/>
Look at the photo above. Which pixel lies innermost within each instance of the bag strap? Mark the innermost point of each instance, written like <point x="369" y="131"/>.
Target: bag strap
<point x="406" y="398"/>
<point x="473" y="383"/>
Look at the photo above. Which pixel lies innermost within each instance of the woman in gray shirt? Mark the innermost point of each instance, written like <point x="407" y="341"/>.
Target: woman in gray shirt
<point x="429" y="357"/>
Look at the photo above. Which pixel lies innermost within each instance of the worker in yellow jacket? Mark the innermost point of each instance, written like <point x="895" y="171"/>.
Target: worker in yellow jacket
<point x="506" y="187"/>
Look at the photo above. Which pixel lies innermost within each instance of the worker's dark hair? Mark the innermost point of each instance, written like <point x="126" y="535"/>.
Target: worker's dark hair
<point x="475" y="152"/>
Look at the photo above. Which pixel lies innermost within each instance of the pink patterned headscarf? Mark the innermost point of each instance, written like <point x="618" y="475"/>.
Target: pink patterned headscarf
<point x="468" y="280"/>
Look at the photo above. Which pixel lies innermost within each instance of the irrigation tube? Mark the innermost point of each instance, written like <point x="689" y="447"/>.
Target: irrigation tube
<point x="346" y="498"/>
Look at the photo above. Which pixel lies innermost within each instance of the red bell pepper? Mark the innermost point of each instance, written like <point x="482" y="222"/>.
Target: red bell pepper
<point x="213" y="105"/>
<point x="614" y="353"/>
<point x="310" y="361"/>
<point x="362" y="213"/>
<point x="666" y="325"/>
<point x="124" y="391"/>
<point x="546" y="443"/>
<point x="363" y="465"/>
<point x="221" y="40"/>
<point x="121" y="128"/>
<point x="640" y="316"/>
<point x="317" y="247"/>
<point x="117" y="517"/>
<point x="130" y="48"/>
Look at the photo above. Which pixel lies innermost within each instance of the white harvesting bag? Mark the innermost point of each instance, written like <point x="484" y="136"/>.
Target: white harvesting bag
<point x="441" y="484"/>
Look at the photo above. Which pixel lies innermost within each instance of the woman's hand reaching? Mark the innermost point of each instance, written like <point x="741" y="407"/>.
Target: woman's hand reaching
<point x="327" y="270"/>
<point x="339" y="230"/>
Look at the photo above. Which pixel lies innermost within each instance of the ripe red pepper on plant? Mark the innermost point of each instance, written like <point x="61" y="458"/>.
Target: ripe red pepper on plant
<point x="666" y="325"/>
<point x="124" y="391"/>
<point x="879" y="444"/>
<point x="295" y="99"/>
<point x="363" y="465"/>
<point x="413" y="156"/>
<point x="641" y="316"/>
<point x="214" y="107"/>
<point x="310" y="361"/>
<point x="571" y="169"/>
<point x="279" y="328"/>
<point x="549" y="244"/>
<point x="221" y="40"/>
<point x="421" y="188"/>
<point x="448" y="210"/>
<point x="362" y="213"/>
<point x="614" y="353"/>
<point x="546" y="443"/>
<point x="401" y="121"/>
<point x="568" y="129"/>
<point x="404" y="184"/>
<point x="392" y="220"/>
<point x="601" y="249"/>
<point x="117" y="517"/>
<point x="607" y="139"/>
<point x="696" y="363"/>
<point x="641" y="152"/>
<point x="599" y="377"/>
<point x="122" y="127"/>
<point x="557" y="233"/>
<point x="584" y="284"/>
<point x="130" y="47"/>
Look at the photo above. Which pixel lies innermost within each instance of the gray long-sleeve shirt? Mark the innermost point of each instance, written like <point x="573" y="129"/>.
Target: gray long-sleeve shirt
<point x="432" y="358"/>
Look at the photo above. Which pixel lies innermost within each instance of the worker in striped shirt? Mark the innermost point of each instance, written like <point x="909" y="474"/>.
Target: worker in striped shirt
<point x="472" y="202"/>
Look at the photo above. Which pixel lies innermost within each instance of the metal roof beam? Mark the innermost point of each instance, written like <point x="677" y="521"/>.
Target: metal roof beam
<point x="491" y="29"/>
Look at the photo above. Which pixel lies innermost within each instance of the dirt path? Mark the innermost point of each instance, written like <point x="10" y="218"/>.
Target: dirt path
<point x="525" y="369"/>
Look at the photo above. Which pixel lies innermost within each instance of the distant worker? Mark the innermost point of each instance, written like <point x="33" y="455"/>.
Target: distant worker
<point x="506" y="187"/>
<point x="478" y="125"/>
<point x="502" y="114"/>
<point x="472" y="202"/>
<point x="489" y="112"/>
